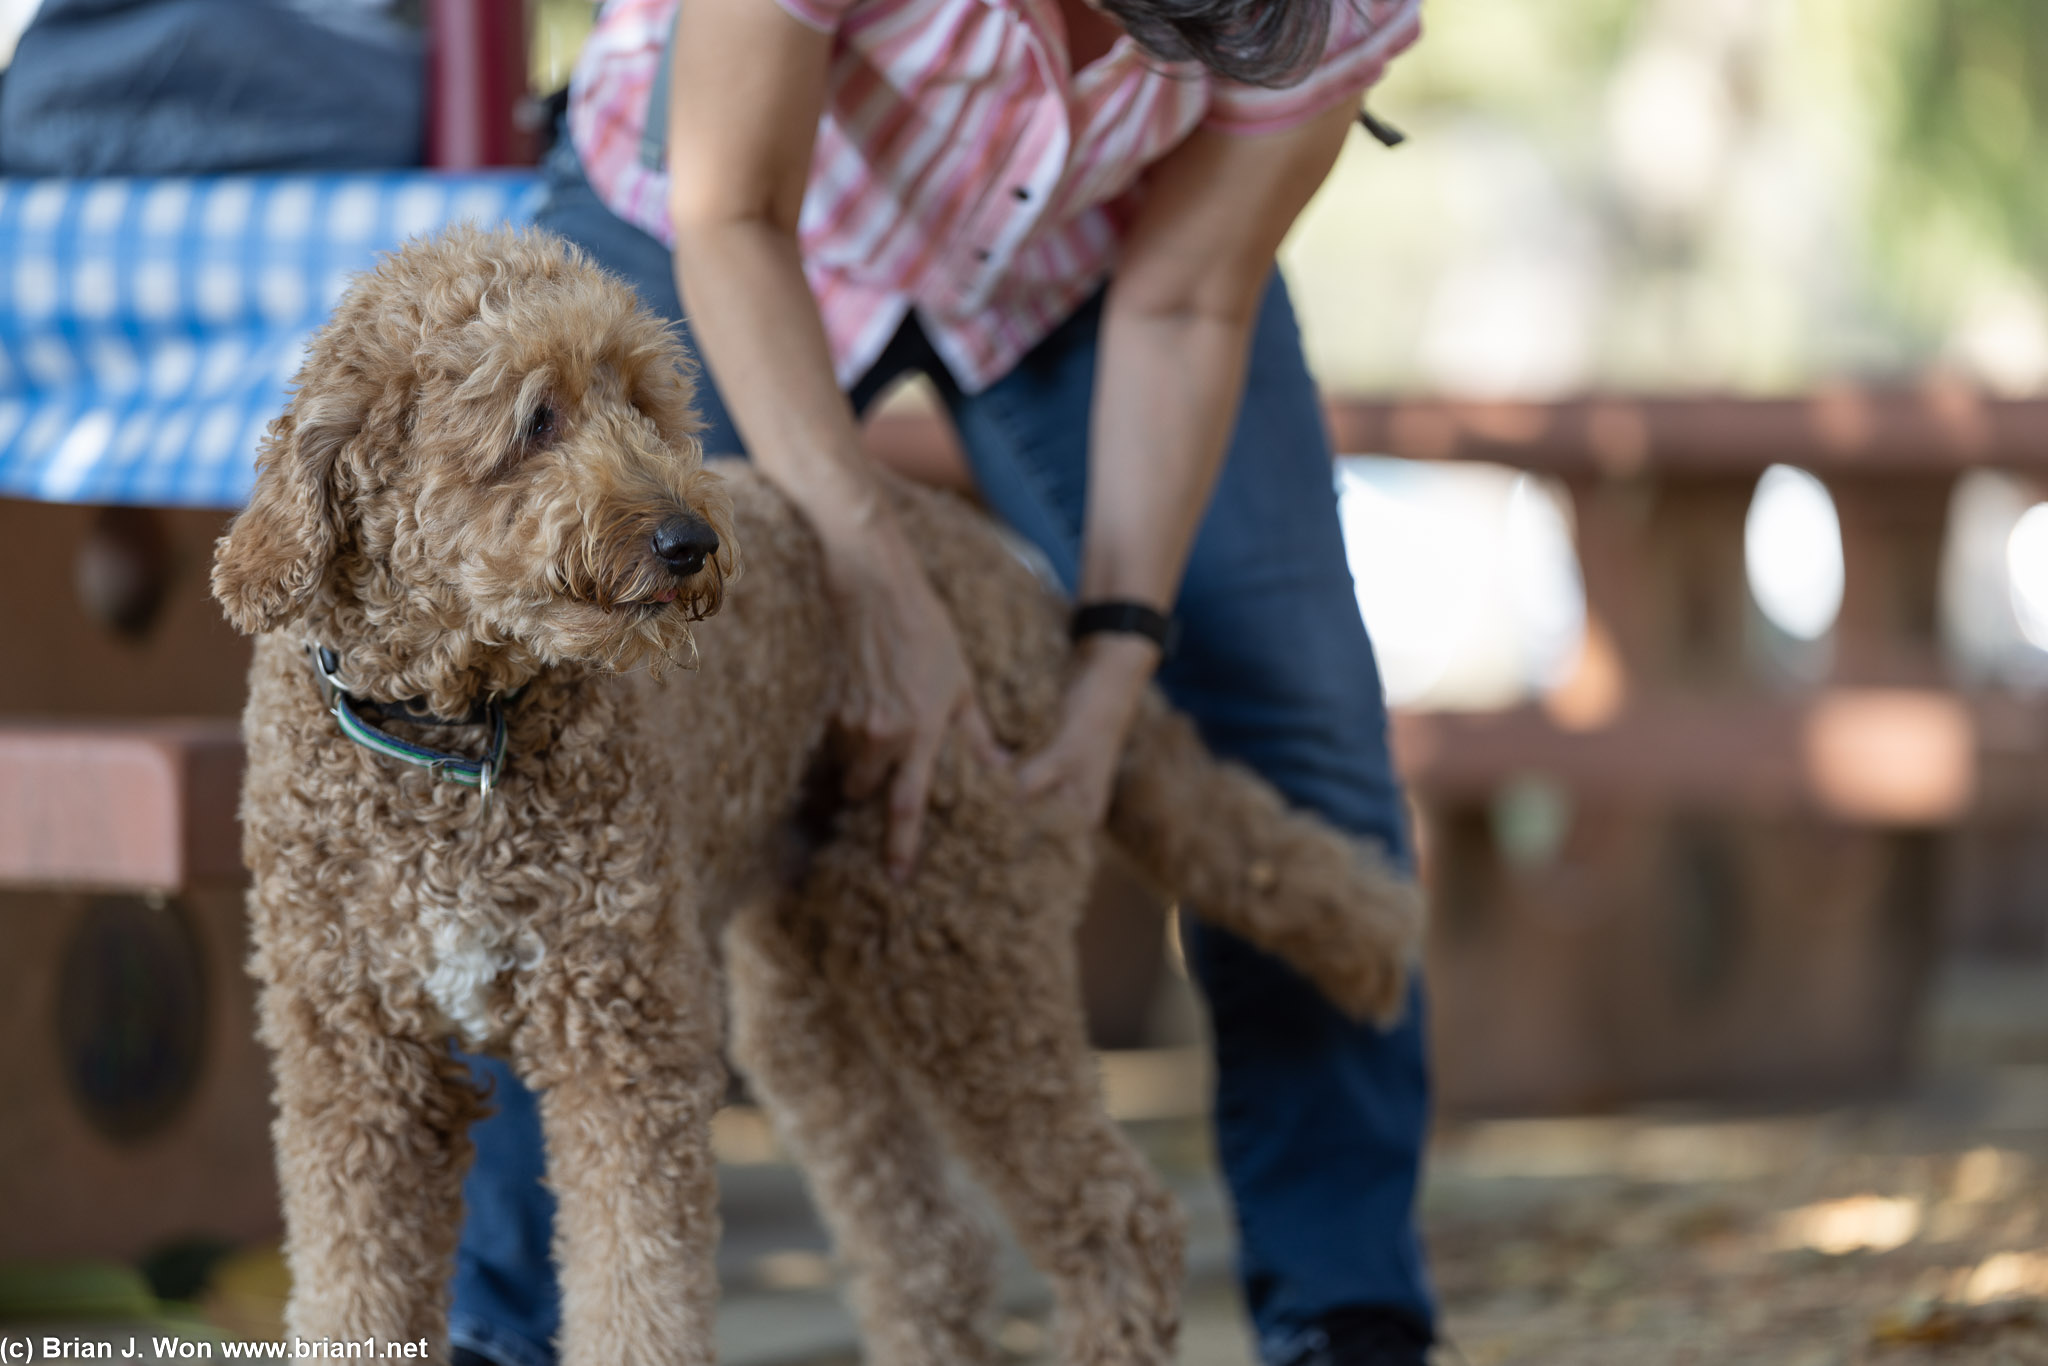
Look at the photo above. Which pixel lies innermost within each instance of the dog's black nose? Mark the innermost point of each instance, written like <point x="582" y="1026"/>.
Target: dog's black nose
<point x="684" y="543"/>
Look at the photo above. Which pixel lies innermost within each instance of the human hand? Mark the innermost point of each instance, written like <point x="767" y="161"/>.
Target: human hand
<point x="1077" y="768"/>
<point x="910" y="684"/>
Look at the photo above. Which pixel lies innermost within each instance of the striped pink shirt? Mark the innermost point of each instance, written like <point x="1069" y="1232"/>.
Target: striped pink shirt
<point x="962" y="169"/>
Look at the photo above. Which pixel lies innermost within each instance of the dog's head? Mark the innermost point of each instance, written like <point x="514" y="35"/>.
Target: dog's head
<point x="489" y="465"/>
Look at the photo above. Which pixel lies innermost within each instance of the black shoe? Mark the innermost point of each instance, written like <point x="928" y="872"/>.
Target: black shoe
<point x="1368" y="1335"/>
<point x="462" y="1356"/>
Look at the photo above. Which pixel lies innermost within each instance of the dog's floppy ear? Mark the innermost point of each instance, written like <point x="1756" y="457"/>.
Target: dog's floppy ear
<point x="276" y="552"/>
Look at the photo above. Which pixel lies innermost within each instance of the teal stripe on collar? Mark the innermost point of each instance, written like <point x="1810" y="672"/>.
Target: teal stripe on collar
<point x="452" y="768"/>
<point x="480" y="774"/>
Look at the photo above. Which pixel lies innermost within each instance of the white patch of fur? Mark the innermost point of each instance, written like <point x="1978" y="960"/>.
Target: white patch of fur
<point x="468" y="960"/>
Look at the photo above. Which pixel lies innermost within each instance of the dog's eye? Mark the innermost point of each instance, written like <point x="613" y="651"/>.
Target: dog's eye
<point x="540" y="428"/>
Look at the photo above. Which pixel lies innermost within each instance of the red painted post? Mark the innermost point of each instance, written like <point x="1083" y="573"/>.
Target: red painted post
<point x="476" y="81"/>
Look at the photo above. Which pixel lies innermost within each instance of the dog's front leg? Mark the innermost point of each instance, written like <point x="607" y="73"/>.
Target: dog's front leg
<point x="372" y="1143"/>
<point x="629" y="1073"/>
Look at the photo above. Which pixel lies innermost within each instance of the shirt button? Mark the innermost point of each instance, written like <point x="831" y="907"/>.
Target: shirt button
<point x="982" y="253"/>
<point x="1023" y="192"/>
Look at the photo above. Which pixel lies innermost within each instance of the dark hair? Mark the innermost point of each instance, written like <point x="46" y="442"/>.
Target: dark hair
<point x="1256" y="42"/>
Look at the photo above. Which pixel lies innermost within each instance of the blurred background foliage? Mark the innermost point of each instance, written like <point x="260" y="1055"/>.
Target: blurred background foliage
<point x="1745" y="195"/>
<point x="1964" y="90"/>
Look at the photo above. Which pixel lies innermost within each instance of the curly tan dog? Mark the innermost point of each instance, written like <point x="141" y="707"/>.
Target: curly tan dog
<point x="485" y="521"/>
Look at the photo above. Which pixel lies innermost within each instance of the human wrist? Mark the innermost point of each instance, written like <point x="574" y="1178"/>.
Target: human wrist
<point x="866" y="558"/>
<point x="1126" y="661"/>
<point x="860" y="540"/>
<point x="839" y="498"/>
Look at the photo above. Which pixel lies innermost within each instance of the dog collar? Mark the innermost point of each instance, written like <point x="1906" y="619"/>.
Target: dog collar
<point x="481" y="774"/>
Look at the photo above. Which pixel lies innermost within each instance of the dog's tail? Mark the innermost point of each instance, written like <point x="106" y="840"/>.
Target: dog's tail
<point x="1223" y="841"/>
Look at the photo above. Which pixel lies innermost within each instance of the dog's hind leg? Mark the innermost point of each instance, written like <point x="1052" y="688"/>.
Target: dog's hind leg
<point x="372" y="1143"/>
<point x="621" y="1040"/>
<point x="923" y="1266"/>
<point x="967" y="982"/>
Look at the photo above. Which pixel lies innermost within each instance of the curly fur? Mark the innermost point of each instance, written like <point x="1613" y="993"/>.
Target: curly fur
<point x="459" y="501"/>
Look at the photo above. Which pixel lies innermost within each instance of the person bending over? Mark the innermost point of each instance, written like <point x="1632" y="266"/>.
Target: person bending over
<point x="1065" y="215"/>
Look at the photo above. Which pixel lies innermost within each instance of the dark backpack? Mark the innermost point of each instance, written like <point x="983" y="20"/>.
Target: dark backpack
<point x="193" y="87"/>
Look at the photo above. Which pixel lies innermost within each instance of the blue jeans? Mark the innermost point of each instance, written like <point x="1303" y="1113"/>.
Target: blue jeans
<point x="1319" y="1121"/>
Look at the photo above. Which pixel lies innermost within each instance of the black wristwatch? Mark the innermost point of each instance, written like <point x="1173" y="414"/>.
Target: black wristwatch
<point x="1117" y="617"/>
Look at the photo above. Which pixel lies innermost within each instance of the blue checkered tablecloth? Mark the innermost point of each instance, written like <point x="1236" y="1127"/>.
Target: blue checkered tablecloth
<point x="148" y="328"/>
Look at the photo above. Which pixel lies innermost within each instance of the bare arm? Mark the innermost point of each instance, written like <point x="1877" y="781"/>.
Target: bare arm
<point x="1175" y="337"/>
<point x="747" y="86"/>
<point x="746" y="91"/>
